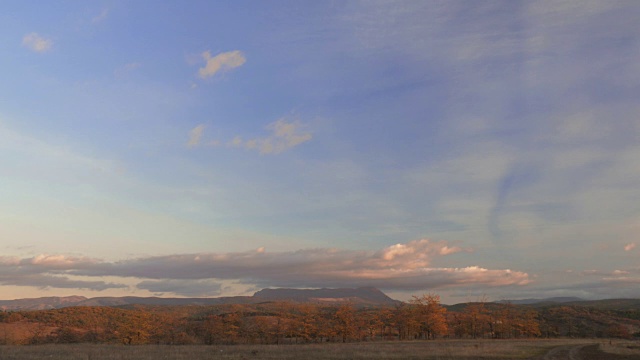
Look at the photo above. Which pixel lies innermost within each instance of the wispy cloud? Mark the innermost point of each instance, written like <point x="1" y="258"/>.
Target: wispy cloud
<point x="285" y="134"/>
<point x="221" y="62"/>
<point x="37" y="43"/>
<point x="126" y="68"/>
<point x="100" y="17"/>
<point x="629" y="246"/>
<point x="195" y="135"/>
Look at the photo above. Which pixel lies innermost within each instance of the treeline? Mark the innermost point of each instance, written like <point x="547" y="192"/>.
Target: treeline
<point x="423" y="318"/>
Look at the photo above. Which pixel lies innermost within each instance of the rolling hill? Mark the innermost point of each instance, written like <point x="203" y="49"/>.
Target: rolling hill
<point x="356" y="296"/>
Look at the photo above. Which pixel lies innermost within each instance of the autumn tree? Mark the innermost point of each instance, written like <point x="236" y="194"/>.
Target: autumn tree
<point x="169" y="329"/>
<point x="308" y="321"/>
<point x="385" y="315"/>
<point x="527" y="323"/>
<point x="405" y="322"/>
<point x="475" y="317"/>
<point x="508" y="321"/>
<point x="430" y="316"/>
<point x="373" y="323"/>
<point x="345" y="318"/>
<point x="326" y="324"/>
<point x="618" y="331"/>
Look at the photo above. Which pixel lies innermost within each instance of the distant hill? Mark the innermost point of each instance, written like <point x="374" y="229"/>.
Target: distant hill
<point x="361" y="296"/>
<point x="358" y="296"/>
<point x="134" y="300"/>
<point x="609" y="304"/>
<point x="565" y="299"/>
<point x="43" y="303"/>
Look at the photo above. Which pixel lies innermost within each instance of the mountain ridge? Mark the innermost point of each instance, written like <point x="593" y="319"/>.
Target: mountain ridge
<point x="559" y="299"/>
<point x="364" y="295"/>
<point x="357" y="296"/>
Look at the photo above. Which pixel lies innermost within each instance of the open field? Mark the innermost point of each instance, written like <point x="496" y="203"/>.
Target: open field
<point x="575" y="349"/>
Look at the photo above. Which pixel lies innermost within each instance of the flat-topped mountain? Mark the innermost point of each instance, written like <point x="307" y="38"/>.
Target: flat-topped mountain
<point x="363" y="295"/>
<point x="357" y="296"/>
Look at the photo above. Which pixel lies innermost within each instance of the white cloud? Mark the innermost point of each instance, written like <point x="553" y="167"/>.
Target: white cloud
<point x="629" y="246"/>
<point x="195" y="135"/>
<point x="605" y="274"/>
<point x="37" y="43"/>
<point x="284" y="135"/>
<point x="620" y="272"/>
<point x="221" y="62"/>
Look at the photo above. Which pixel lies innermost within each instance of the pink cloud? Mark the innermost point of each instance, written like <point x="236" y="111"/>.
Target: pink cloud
<point x="401" y="267"/>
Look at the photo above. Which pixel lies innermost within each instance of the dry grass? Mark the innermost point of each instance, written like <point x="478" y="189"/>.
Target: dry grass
<point x="621" y="347"/>
<point x="431" y="350"/>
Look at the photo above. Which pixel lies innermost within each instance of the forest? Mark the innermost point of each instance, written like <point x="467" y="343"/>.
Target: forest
<point x="287" y="322"/>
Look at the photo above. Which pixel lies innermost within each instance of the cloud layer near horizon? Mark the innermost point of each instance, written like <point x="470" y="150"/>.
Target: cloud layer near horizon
<point x="402" y="267"/>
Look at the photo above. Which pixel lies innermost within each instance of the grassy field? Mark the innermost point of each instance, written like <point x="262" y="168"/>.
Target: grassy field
<point x="440" y="349"/>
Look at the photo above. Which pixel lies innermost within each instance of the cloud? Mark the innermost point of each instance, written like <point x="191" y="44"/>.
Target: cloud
<point x="100" y="17"/>
<point x="195" y="135"/>
<point x="221" y="62"/>
<point x="37" y="43"/>
<point x="629" y="246"/>
<point x="400" y="267"/>
<point x="605" y="274"/>
<point x="127" y="68"/>
<point x="620" y="272"/>
<point x="285" y="134"/>
<point x="49" y="271"/>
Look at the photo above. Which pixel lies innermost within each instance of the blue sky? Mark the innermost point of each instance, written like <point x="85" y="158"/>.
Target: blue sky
<point x="470" y="149"/>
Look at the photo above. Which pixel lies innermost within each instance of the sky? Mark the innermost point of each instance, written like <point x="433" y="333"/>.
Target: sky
<point x="471" y="149"/>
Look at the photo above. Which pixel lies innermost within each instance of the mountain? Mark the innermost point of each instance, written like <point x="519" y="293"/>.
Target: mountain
<point x="358" y="296"/>
<point x="566" y="299"/>
<point x="42" y="303"/>
<point x="609" y="304"/>
<point x="134" y="300"/>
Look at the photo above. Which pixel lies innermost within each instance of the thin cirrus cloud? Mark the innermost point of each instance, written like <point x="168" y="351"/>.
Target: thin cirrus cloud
<point x="402" y="267"/>
<point x="126" y="69"/>
<point x="222" y="62"/>
<point x="37" y="43"/>
<point x="195" y="135"/>
<point x="284" y="134"/>
<point x="100" y="17"/>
